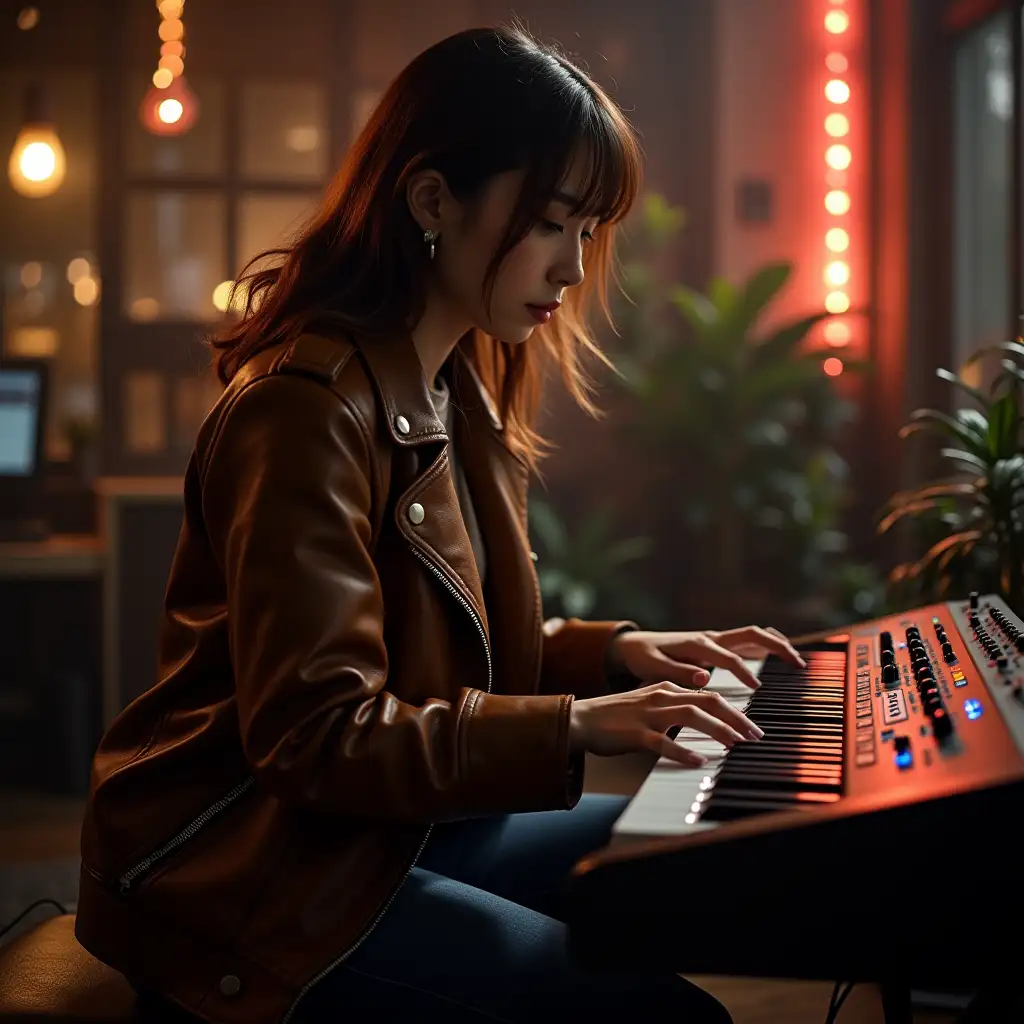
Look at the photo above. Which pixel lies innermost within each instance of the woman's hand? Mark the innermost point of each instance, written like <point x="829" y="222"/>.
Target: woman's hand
<point x="621" y="723"/>
<point x="681" y="657"/>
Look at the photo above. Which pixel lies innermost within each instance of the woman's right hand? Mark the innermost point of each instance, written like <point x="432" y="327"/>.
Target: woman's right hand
<point x="622" y="723"/>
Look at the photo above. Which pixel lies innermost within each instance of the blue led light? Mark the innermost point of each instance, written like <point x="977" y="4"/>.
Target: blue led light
<point x="903" y="759"/>
<point x="973" y="708"/>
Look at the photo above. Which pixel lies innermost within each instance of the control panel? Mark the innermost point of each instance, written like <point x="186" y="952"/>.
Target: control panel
<point x="938" y="695"/>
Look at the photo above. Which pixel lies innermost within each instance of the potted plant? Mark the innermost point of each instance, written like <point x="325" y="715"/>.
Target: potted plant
<point x="581" y="570"/>
<point x="970" y="523"/>
<point x="740" y="425"/>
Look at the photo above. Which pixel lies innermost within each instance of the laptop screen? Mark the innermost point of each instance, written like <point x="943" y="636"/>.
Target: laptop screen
<point x="20" y="398"/>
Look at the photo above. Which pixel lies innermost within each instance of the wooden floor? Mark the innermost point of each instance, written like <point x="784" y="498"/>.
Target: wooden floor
<point x="39" y="851"/>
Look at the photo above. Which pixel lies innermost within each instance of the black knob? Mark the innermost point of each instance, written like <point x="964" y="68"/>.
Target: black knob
<point x="885" y="640"/>
<point x="890" y="674"/>
<point x="974" y="600"/>
<point x="947" y="652"/>
<point x="888" y="658"/>
<point x="942" y="724"/>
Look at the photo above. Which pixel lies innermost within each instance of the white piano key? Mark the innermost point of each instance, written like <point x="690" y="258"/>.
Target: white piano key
<point x="666" y="798"/>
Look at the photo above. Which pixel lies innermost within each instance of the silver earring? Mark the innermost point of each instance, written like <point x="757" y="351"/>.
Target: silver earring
<point x="428" y="237"/>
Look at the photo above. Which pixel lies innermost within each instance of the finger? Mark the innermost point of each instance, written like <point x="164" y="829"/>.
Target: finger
<point x="770" y="639"/>
<point x="693" y="716"/>
<point x="681" y="673"/>
<point x="667" y="747"/>
<point x="722" y="658"/>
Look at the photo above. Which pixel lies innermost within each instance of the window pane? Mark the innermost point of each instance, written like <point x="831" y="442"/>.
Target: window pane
<point x="198" y="152"/>
<point x="984" y="116"/>
<point x="145" y="416"/>
<point x="174" y="255"/>
<point x="266" y="220"/>
<point x="50" y="282"/>
<point x="284" y="132"/>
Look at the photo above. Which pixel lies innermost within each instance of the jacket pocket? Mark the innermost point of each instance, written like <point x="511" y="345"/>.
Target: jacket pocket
<point x="129" y="879"/>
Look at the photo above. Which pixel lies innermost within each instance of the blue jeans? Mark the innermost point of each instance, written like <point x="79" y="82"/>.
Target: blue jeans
<point x="475" y="935"/>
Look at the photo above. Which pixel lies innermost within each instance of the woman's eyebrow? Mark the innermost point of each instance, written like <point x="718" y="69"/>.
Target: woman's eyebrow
<point x="563" y="197"/>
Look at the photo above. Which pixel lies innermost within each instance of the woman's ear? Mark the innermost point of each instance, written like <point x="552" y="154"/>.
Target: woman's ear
<point x="428" y="196"/>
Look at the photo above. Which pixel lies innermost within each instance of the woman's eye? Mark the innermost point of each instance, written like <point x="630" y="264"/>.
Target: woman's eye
<point x="550" y="225"/>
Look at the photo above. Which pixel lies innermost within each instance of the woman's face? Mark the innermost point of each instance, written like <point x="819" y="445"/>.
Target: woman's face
<point x="532" y="278"/>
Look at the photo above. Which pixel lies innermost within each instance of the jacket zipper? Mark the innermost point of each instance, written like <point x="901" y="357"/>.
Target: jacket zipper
<point x="316" y="979"/>
<point x="128" y="879"/>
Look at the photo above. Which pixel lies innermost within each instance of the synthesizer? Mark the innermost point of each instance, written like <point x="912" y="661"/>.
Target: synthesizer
<point x="874" y="833"/>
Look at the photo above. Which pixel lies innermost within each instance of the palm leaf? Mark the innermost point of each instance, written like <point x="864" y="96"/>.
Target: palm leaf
<point x="979" y="396"/>
<point x="954" y="541"/>
<point x="933" y="419"/>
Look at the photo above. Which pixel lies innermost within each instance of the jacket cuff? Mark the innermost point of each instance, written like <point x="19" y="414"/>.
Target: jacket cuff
<point x="516" y="755"/>
<point x="619" y="680"/>
<point x="575" y="656"/>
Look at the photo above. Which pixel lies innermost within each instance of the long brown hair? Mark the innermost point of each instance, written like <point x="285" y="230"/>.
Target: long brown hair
<point x="479" y="103"/>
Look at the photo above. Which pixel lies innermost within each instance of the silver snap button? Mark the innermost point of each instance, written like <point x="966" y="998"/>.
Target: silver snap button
<point x="401" y="425"/>
<point x="533" y="555"/>
<point x="230" y="985"/>
<point x="416" y="512"/>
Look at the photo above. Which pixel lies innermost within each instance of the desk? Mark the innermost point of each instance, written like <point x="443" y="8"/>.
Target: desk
<point x="123" y="568"/>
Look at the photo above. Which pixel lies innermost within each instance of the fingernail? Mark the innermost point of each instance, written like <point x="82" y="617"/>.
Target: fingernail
<point x="701" y="678"/>
<point x="697" y="759"/>
<point x="755" y="733"/>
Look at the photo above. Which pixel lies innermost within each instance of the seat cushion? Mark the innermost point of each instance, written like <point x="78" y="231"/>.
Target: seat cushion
<point x="46" y="975"/>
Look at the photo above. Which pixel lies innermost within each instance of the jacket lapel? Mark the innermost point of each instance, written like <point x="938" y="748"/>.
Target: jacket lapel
<point x="440" y="536"/>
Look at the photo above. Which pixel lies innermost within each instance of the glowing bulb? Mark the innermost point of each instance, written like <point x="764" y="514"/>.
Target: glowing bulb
<point x="837" y="125"/>
<point x="837" y="240"/>
<point x="838" y="157"/>
<point x="222" y="295"/>
<point x="171" y="30"/>
<point x="37" y="164"/>
<point x="837" y="22"/>
<point x="170" y="8"/>
<point x="837" y="63"/>
<point x="832" y="366"/>
<point x="837" y="333"/>
<point x="837" y="273"/>
<point x="77" y="269"/>
<point x="837" y="302"/>
<point x="162" y="78"/>
<point x="837" y="202"/>
<point x="171" y="64"/>
<point x="170" y="111"/>
<point x="31" y="274"/>
<point x="837" y="91"/>
<point x="175" y="48"/>
<point x="87" y="291"/>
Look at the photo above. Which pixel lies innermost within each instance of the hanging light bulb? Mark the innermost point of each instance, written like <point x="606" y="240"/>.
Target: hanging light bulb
<point x="170" y="111"/>
<point x="37" y="163"/>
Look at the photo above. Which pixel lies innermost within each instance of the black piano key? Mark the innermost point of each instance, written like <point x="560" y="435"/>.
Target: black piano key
<point x="799" y="761"/>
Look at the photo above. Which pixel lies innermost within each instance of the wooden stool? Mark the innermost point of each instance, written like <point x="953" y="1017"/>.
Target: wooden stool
<point x="46" y="977"/>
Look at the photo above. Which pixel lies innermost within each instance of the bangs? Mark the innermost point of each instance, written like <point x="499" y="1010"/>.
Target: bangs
<point x="609" y="153"/>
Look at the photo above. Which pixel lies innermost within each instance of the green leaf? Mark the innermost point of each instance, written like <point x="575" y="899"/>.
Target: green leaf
<point x="697" y="308"/>
<point x="785" y="340"/>
<point x="969" y="459"/>
<point x="758" y="293"/>
<point x="974" y="393"/>
<point x="1003" y="427"/>
<point x="1013" y="347"/>
<point x="964" y="432"/>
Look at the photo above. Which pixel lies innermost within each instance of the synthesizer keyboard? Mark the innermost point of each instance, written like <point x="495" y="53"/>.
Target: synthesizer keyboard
<point x="872" y="833"/>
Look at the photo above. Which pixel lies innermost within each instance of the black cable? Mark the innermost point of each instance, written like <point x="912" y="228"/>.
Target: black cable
<point x="839" y="996"/>
<point x="28" y="910"/>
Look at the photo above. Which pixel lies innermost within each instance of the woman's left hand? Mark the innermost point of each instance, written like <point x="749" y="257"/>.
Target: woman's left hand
<point x="680" y="657"/>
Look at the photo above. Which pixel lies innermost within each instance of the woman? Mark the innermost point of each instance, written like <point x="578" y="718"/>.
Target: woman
<point x="356" y="785"/>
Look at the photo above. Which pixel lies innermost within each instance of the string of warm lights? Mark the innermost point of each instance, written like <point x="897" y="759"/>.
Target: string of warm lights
<point x="172" y="47"/>
<point x="169" y="107"/>
<point x="838" y="158"/>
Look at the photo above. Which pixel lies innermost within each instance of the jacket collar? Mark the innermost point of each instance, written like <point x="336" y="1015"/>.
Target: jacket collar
<point x="397" y="374"/>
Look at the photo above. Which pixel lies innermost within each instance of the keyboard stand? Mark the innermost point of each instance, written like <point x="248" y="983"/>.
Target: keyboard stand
<point x="896" y="1004"/>
<point x="995" y="1005"/>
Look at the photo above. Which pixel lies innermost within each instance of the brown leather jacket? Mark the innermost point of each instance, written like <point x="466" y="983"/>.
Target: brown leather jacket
<point x="332" y="680"/>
